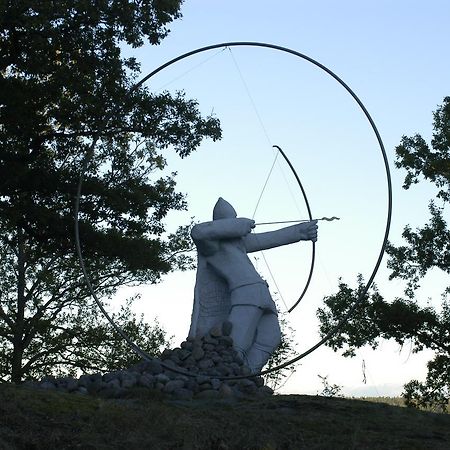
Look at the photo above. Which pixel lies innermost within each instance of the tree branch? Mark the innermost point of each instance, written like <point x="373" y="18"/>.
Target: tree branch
<point x="5" y="317"/>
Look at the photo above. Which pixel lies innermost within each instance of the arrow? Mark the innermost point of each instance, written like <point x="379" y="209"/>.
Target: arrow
<point x="328" y="219"/>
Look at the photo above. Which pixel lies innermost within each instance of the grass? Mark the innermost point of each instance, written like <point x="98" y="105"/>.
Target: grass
<point x="32" y="419"/>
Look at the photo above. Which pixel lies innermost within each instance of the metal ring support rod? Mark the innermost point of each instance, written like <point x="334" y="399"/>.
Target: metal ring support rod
<point x="360" y="299"/>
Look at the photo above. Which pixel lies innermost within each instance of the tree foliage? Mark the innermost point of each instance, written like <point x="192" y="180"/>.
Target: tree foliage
<point x="425" y="249"/>
<point x="284" y="352"/>
<point x="64" y="84"/>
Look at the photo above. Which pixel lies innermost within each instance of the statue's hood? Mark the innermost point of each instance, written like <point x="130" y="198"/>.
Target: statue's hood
<point x="223" y="210"/>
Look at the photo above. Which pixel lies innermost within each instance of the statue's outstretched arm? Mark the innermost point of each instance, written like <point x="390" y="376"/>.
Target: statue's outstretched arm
<point x="306" y="231"/>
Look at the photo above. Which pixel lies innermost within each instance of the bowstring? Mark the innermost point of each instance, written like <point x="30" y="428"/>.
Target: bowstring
<point x="264" y="186"/>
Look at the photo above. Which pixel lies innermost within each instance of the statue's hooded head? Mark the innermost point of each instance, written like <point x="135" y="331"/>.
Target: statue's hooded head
<point x="223" y="210"/>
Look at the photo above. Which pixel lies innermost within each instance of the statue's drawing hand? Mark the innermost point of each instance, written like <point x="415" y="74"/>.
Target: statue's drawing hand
<point x="244" y="226"/>
<point x="249" y="224"/>
<point x="308" y="231"/>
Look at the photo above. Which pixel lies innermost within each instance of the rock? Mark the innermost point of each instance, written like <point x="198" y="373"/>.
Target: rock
<point x="245" y="371"/>
<point x="187" y="345"/>
<point x="113" y="384"/>
<point x="72" y="385"/>
<point x="96" y="377"/>
<point x="183" y="377"/>
<point x="116" y="375"/>
<point x="169" y="363"/>
<point x="183" y="394"/>
<point x="225" y="391"/>
<point x="166" y="354"/>
<point x="47" y="385"/>
<point x="183" y="354"/>
<point x="146" y="381"/>
<point x="162" y="378"/>
<point x="192" y="385"/>
<point x="226" y="328"/>
<point x="49" y="379"/>
<point x="173" y="359"/>
<point x="200" y="379"/>
<point x="216" y="331"/>
<point x="154" y="367"/>
<point x="224" y="370"/>
<point x="189" y="362"/>
<point x="173" y="385"/>
<point x="111" y="392"/>
<point x="227" y="358"/>
<point x="205" y="364"/>
<point x="198" y="353"/>
<point x="235" y="367"/>
<point x="139" y="367"/>
<point x="265" y="390"/>
<point x="96" y="383"/>
<point x="128" y="382"/>
<point x="208" y="394"/>
<point x="84" y="380"/>
<point x="215" y="383"/>
<point x="226" y="341"/>
<point x="245" y="382"/>
<point x="210" y="340"/>
<point x="251" y="389"/>
<point x="259" y="381"/>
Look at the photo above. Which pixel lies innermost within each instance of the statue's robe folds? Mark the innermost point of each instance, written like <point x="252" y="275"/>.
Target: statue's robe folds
<point x="211" y="295"/>
<point x="211" y="300"/>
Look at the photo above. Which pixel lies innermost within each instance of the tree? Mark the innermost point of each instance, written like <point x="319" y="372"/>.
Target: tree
<point x="426" y="248"/>
<point x="284" y="352"/>
<point x="64" y="84"/>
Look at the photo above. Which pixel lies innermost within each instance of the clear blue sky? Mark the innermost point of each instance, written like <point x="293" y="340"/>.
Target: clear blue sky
<point x="394" y="55"/>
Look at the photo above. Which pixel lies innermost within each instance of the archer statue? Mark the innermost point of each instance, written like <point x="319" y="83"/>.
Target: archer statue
<point x="228" y="287"/>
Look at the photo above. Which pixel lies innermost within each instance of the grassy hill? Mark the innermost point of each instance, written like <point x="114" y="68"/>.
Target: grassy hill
<point x="31" y="419"/>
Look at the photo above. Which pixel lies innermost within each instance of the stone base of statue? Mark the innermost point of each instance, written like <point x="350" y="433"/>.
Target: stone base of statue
<point x="206" y="358"/>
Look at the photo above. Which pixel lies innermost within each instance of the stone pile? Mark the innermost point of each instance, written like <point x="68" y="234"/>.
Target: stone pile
<point x="205" y="360"/>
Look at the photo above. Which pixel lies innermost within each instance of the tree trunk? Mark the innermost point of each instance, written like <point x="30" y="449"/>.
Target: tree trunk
<point x="18" y="341"/>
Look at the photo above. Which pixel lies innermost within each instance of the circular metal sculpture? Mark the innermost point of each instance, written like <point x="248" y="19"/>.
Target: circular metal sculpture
<point x="363" y="293"/>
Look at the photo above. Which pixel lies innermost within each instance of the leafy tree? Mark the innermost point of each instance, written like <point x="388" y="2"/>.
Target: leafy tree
<point x="284" y="352"/>
<point x="427" y="248"/>
<point x="64" y="84"/>
<point x="329" y="390"/>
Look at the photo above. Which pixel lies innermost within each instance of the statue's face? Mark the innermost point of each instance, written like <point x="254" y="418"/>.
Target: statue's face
<point x="223" y="210"/>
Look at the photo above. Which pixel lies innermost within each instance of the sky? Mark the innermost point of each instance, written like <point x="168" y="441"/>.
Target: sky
<point x="394" y="56"/>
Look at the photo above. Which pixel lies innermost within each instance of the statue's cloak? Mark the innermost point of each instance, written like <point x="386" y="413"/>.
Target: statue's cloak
<point x="211" y="300"/>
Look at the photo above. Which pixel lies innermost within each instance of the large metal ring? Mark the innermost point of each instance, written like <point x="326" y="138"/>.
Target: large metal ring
<point x="363" y="293"/>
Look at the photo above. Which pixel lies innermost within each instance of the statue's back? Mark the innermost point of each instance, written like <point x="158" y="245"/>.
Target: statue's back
<point x="211" y="301"/>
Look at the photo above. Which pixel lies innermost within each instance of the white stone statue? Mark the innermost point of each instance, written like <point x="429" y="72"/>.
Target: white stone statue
<point x="228" y="287"/>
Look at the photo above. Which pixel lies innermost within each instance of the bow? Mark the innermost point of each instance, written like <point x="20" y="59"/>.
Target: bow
<point x="310" y="218"/>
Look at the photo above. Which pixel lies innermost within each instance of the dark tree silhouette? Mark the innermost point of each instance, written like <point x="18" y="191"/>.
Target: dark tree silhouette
<point x="64" y="83"/>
